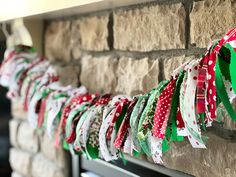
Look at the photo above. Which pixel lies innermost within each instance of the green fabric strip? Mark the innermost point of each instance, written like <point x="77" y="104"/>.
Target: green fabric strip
<point x="134" y="120"/>
<point x="202" y="119"/>
<point x="92" y="145"/>
<point x="174" y="108"/>
<point x="146" y="120"/>
<point x="78" y="128"/>
<point x="232" y="66"/>
<point x="72" y="115"/>
<point x="221" y="91"/>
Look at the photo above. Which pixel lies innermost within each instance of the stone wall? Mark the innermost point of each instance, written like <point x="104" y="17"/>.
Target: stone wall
<point x="130" y="50"/>
<point x="32" y="153"/>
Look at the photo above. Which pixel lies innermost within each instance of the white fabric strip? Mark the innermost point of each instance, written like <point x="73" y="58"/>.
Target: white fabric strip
<point x="56" y="107"/>
<point x="155" y="145"/>
<point x="188" y="107"/>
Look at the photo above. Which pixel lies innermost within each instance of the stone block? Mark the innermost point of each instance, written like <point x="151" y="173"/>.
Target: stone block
<point x="217" y="160"/>
<point x="57" y="155"/>
<point x="58" y="41"/>
<point x="226" y="120"/>
<point x="210" y="20"/>
<point x="90" y="33"/>
<point x="154" y="27"/>
<point x="137" y="76"/>
<point x="169" y="65"/>
<point x="98" y="74"/>
<point x="20" y="161"/>
<point x="44" y="167"/>
<point x="15" y="174"/>
<point x="13" y="131"/>
<point x="68" y="74"/>
<point x="76" y="40"/>
<point x="17" y="110"/>
<point x="28" y="138"/>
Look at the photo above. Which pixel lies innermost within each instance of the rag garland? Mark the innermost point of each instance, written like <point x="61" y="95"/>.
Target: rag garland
<point x="107" y="126"/>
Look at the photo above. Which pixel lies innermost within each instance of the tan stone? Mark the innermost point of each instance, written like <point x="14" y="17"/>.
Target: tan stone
<point x="43" y="167"/>
<point x="173" y="63"/>
<point x="156" y="27"/>
<point x="15" y="174"/>
<point x="228" y="123"/>
<point x="136" y="76"/>
<point x="28" y="138"/>
<point x="17" y="110"/>
<point x="76" y="40"/>
<point x="13" y="126"/>
<point x="58" y="42"/>
<point x="98" y="73"/>
<point x="68" y="75"/>
<point x="210" y="20"/>
<point x="56" y="155"/>
<point x="132" y="76"/>
<point x="223" y="116"/>
<point x="91" y="33"/>
<point x="20" y="161"/>
<point x="217" y="160"/>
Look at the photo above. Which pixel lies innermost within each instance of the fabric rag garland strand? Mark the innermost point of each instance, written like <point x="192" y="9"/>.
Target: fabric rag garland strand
<point x="107" y="126"/>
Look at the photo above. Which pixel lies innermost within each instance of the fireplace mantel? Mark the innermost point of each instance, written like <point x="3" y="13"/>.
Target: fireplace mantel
<point x="44" y="9"/>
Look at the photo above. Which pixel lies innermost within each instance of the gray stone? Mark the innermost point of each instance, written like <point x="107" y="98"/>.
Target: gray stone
<point x="13" y="126"/>
<point x="57" y="155"/>
<point x="20" y="161"/>
<point x="58" y="41"/>
<point x="98" y="73"/>
<point x="210" y="20"/>
<point x="28" y="138"/>
<point x="137" y="76"/>
<point x="217" y="160"/>
<point x="156" y="27"/>
<point x="43" y="167"/>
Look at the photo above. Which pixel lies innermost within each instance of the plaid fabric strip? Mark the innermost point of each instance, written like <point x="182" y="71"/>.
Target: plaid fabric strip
<point x="203" y="71"/>
<point x="201" y="84"/>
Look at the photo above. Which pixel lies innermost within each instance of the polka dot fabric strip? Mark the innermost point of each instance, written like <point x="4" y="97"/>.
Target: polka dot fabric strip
<point x="162" y="110"/>
<point x="211" y="92"/>
<point x="188" y="107"/>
